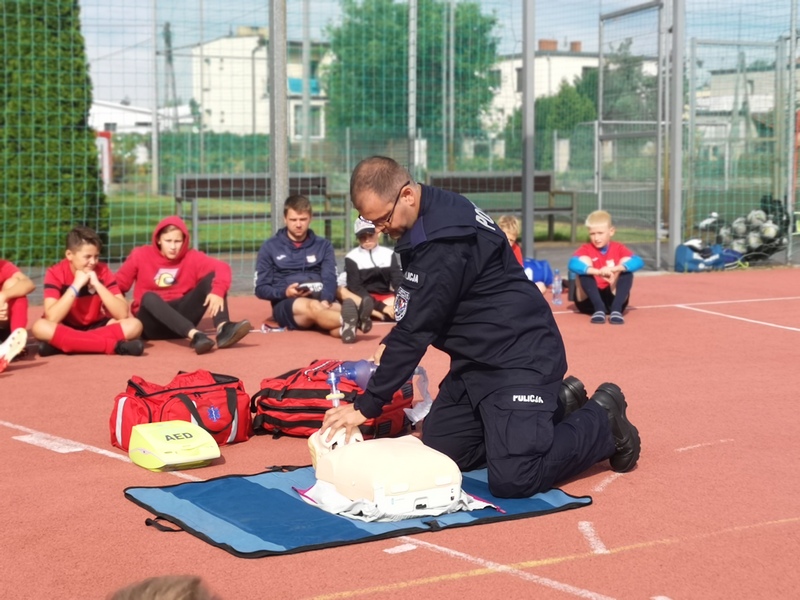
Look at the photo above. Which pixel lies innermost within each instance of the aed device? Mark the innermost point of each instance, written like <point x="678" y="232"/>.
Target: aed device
<point x="171" y="445"/>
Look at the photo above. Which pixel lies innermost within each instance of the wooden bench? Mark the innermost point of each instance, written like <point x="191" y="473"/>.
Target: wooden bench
<point x="254" y="187"/>
<point x="499" y="182"/>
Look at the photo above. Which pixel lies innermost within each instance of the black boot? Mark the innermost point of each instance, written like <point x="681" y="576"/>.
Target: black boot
<point x="626" y="437"/>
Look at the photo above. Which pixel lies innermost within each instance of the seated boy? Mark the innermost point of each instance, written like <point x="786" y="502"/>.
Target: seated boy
<point x="371" y="275"/>
<point x="84" y="310"/>
<point x="296" y="272"/>
<point x="509" y="224"/>
<point x="14" y="289"/>
<point x="604" y="272"/>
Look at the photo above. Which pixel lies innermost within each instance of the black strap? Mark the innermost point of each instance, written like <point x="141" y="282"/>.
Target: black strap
<point x="161" y="527"/>
<point x="230" y="393"/>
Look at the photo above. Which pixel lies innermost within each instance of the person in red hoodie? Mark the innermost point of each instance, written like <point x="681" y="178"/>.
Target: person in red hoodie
<point x="175" y="285"/>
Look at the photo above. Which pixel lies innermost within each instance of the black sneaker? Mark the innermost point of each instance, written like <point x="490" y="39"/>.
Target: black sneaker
<point x="230" y="333"/>
<point x="365" y="314"/>
<point x="46" y="349"/>
<point x="349" y="322"/>
<point x="129" y="348"/>
<point x="201" y="343"/>
<point x="572" y="395"/>
<point x="626" y="436"/>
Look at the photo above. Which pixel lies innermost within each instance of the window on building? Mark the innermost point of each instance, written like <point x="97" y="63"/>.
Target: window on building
<point x="315" y="125"/>
<point x="112" y="127"/>
<point x="520" y="80"/>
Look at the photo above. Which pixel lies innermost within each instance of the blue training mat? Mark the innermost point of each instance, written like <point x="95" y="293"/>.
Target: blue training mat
<point x="261" y="515"/>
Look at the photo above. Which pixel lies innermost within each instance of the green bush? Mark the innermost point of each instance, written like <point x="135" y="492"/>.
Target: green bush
<point x="49" y="173"/>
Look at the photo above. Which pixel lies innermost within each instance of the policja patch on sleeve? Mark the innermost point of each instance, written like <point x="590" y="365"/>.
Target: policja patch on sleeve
<point x="401" y="299"/>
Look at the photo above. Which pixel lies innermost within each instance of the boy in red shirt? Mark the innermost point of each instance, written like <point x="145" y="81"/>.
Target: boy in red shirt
<point x="14" y="289"/>
<point x="84" y="310"/>
<point x="605" y="272"/>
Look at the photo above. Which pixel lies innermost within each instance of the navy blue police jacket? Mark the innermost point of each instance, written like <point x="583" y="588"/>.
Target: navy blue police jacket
<point x="465" y="293"/>
<point x="281" y="262"/>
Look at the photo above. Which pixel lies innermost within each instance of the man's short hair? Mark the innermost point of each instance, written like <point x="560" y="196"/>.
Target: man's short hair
<point x="599" y="217"/>
<point x="298" y="203"/>
<point x="81" y="235"/>
<point x="379" y="174"/>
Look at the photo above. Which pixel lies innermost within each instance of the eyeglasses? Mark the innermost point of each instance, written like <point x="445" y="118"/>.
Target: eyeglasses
<point x="388" y="218"/>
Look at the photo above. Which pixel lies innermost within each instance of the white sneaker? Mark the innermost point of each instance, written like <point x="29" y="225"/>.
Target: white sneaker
<point x="14" y="344"/>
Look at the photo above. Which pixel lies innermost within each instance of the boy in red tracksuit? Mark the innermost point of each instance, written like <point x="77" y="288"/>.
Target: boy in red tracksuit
<point x="84" y="310"/>
<point x="173" y="287"/>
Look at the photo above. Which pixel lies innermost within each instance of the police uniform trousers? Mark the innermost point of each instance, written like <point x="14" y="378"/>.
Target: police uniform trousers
<point x="512" y="432"/>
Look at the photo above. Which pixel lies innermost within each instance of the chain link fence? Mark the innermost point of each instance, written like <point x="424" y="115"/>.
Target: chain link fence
<point x="175" y="90"/>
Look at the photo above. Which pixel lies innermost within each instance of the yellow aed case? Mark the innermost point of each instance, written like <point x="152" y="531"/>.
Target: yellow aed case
<point x="171" y="445"/>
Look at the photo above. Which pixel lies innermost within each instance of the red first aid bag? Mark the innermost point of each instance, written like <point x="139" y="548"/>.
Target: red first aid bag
<point x="217" y="403"/>
<point x="295" y="403"/>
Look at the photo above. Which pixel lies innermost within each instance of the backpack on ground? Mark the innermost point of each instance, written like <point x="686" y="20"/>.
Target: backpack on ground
<point x="295" y="403"/>
<point x="217" y="403"/>
<point x="694" y="256"/>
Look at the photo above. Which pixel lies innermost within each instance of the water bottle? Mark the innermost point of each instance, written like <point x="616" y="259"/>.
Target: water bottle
<point x="557" y="288"/>
<point x="358" y="371"/>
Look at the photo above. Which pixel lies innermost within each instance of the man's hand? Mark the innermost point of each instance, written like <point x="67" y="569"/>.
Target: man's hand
<point x="343" y="416"/>
<point x="294" y="291"/>
<point x="214" y="304"/>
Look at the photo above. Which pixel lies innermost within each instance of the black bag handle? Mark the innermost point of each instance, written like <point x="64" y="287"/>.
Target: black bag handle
<point x="230" y="393"/>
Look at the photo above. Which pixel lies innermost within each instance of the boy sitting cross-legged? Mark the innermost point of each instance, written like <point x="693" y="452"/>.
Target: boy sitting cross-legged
<point x="84" y="311"/>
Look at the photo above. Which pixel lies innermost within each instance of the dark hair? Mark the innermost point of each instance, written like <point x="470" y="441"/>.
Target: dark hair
<point x="81" y="235"/>
<point x="298" y="203"/>
<point x="379" y="174"/>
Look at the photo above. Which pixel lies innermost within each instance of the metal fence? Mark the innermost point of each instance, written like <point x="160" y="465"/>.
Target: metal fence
<point x="181" y="88"/>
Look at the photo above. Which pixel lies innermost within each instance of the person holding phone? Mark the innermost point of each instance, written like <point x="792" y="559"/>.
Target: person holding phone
<point x="296" y="272"/>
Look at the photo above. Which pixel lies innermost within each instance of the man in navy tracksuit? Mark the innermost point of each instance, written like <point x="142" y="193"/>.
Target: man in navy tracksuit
<point x="503" y="404"/>
<point x="296" y="272"/>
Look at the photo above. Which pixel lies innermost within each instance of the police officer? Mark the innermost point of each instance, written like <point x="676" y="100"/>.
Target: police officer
<point x="464" y="293"/>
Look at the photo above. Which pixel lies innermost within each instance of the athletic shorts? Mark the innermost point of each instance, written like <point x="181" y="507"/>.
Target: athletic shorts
<point x="283" y="315"/>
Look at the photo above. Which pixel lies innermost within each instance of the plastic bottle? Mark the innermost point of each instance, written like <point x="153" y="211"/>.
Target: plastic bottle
<point x="557" y="288"/>
<point x="359" y="371"/>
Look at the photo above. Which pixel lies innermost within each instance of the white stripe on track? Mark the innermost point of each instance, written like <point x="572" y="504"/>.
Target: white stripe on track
<point x="753" y="321"/>
<point x="694" y="447"/>
<point x="500" y="568"/>
<point x="595" y="543"/>
<point x="61" y="445"/>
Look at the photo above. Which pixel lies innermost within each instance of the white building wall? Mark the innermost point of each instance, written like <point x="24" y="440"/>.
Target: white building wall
<point x="549" y="71"/>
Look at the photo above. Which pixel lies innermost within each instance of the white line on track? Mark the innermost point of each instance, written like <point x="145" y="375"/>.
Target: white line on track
<point x="595" y="543"/>
<point x="718" y="302"/>
<point x="500" y="568"/>
<point x="695" y="446"/>
<point x="605" y="483"/>
<point x="61" y="445"/>
<point x="401" y="548"/>
<point x="711" y="312"/>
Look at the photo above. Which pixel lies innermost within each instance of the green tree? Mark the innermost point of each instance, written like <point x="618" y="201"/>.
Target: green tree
<point x="367" y="81"/>
<point x="560" y="113"/>
<point x="629" y="93"/>
<point x="49" y="173"/>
